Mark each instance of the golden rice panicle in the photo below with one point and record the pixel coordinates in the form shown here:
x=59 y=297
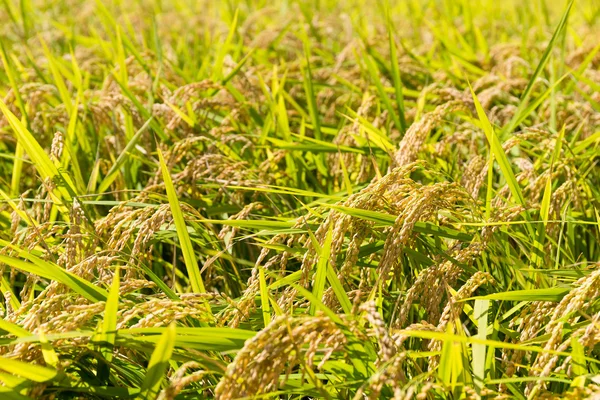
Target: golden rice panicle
x=579 y=299
x=431 y=285
x=454 y=307
x=179 y=380
x=281 y=347
x=417 y=134
x=421 y=204
x=387 y=348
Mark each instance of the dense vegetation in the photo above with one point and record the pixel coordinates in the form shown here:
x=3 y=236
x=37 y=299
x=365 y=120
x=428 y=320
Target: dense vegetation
x=299 y=199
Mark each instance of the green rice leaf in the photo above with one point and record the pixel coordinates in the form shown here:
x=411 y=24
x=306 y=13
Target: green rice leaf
x=10 y=394
x=321 y=270
x=264 y=297
x=112 y=173
x=540 y=67
x=42 y=162
x=500 y=156
x=13 y=328
x=480 y=311
x=49 y=270
x=182 y=233
x=159 y=362
x=26 y=370
x=551 y=294
x=109 y=323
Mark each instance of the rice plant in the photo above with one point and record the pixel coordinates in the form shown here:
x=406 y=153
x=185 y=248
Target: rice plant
x=299 y=199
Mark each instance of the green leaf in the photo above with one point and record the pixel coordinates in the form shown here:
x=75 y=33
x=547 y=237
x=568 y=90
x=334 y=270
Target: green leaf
x=578 y=364
x=396 y=75
x=310 y=93
x=317 y=303
x=224 y=48
x=347 y=182
x=552 y=294
x=490 y=343
x=339 y=290
x=447 y=360
x=48 y=352
x=65 y=96
x=43 y=164
x=264 y=296
x=15 y=181
x=481 y=315
x=537 y=258
x=48 y=270
x=321 y=271
x=109 y=323
x=285 y=281
x=10 y=394
x=21 y=213
x=112 y=173
x=182 y=233
x=159 y=362
x=371 y=66
x=500 y=156
x=26 y=370
x=186 y=118
x=527 y=92
x=12 y=79
x=389 y=220
x=13 y=328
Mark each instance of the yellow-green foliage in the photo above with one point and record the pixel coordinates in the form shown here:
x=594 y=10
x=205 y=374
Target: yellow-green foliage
x=299 y=199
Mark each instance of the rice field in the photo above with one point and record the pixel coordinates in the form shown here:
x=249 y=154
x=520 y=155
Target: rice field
x=299 y=199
